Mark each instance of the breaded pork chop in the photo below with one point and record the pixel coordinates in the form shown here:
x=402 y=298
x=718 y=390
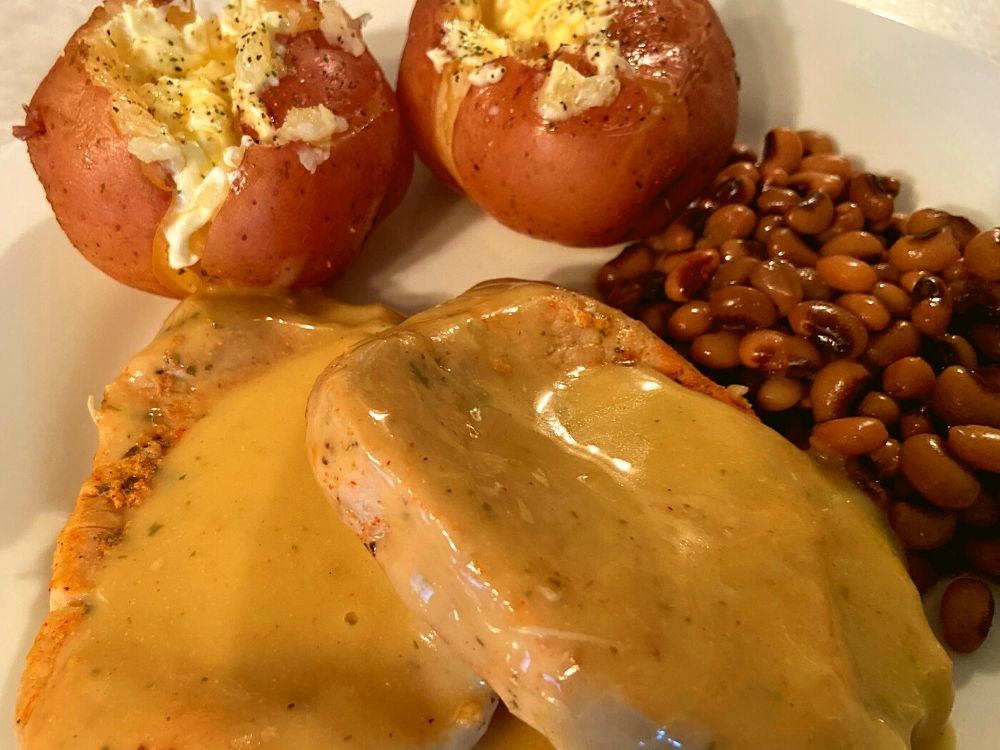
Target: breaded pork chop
x=204 y=596
x=614 y=543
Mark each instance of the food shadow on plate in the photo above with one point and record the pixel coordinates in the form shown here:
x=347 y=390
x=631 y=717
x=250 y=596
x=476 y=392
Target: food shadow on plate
x=439 y=243
x=986 y=660
x=762 y=39
x=430 y=215
x=579 y=277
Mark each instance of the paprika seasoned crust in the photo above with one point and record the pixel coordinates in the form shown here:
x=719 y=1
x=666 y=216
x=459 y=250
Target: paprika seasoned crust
x=210 y=344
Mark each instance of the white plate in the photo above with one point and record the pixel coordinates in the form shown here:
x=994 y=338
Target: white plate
x=914 y=105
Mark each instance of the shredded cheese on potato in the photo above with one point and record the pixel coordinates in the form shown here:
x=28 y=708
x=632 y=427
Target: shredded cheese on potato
x=312 y=128
x=340 y=28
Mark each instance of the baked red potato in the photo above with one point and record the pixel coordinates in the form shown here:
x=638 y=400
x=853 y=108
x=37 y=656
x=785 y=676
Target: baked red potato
x=586 y=122
x=288 y=206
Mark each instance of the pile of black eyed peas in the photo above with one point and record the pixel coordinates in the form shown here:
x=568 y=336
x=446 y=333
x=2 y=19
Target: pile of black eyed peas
x=856 y=330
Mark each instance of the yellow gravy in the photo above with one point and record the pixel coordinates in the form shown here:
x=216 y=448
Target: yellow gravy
x=238 y=612
x=628 y=563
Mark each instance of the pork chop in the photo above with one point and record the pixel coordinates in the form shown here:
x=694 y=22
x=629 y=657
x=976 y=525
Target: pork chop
x=614 y=543
x=204 y=595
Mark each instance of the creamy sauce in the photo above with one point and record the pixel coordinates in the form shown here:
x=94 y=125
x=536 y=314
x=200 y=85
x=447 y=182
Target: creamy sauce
x=627 y=562
x=238 y=612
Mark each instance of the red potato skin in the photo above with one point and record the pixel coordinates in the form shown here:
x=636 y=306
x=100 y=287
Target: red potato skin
x=98 y=191
x=611 y=173
x=419 y=85
x=280 y=226
x=313 y=225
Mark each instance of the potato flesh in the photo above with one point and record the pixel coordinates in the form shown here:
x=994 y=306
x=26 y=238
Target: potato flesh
x=556 y=22
x=485 y=32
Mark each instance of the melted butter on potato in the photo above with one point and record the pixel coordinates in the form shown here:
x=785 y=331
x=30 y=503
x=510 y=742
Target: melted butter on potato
x=483 y=32
x=557 y=22
x=187 y=91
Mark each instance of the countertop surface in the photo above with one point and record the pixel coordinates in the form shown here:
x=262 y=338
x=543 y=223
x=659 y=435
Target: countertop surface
x=33 y=34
